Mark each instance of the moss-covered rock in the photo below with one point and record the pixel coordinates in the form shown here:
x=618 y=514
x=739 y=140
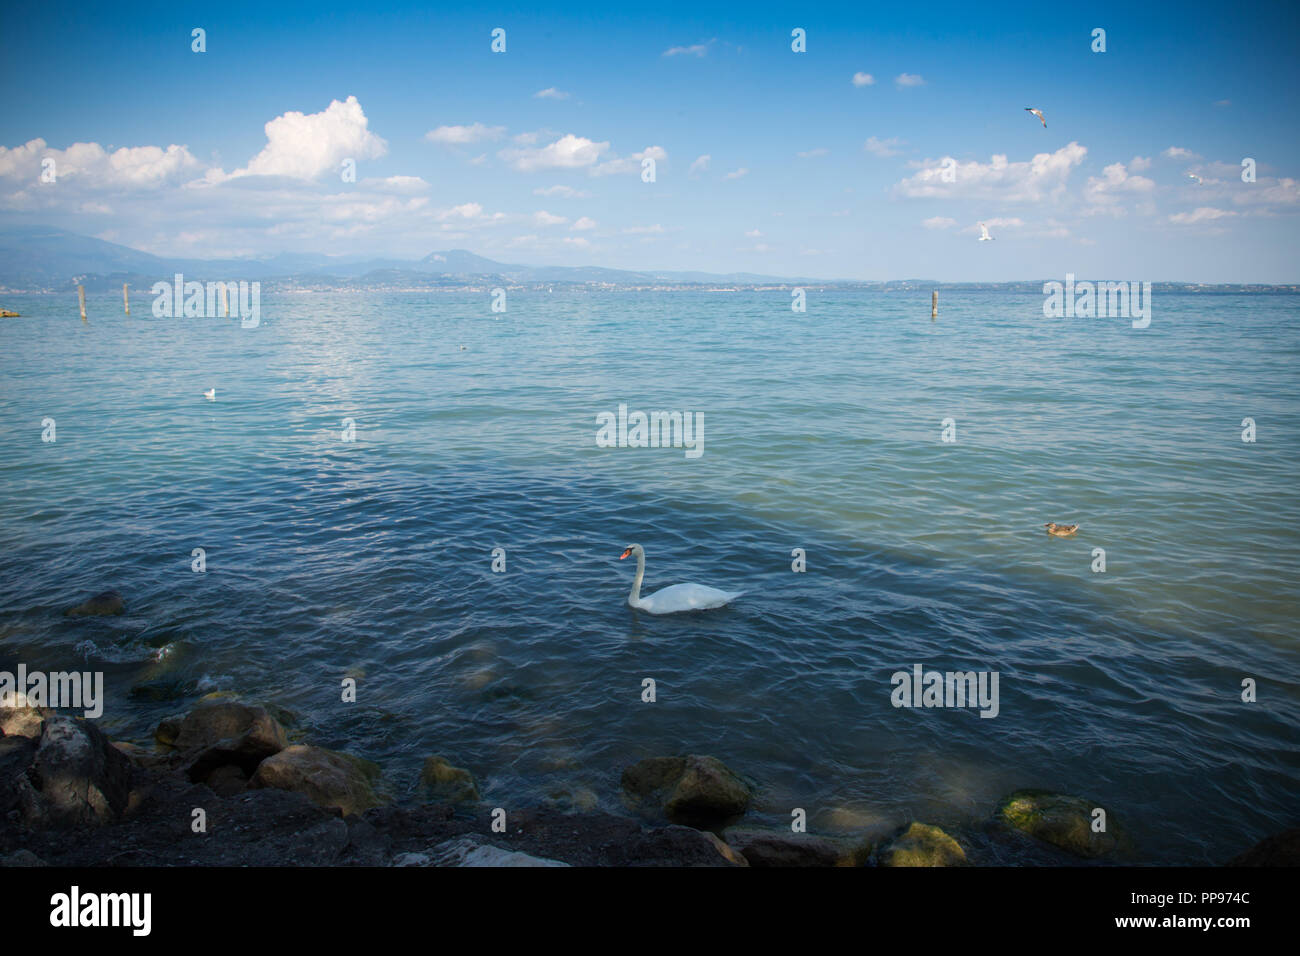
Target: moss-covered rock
x=694 y=790
x=1064 y=821
x=440 y=782
x=919 y=844
x=327 y=777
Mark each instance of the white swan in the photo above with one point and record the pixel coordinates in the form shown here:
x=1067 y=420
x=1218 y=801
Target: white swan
x=678 y=597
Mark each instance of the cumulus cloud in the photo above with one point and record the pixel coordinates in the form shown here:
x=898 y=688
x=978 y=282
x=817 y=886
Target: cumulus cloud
x=863 y=79
x=306 y=145
x=462 y=135
x=629 y=164
x=700 y=165
x=567 y=152
x=1042 y=177
x=1115 y=181
x=544 y=218
x=904 y=80
x=90 y=164
x=584 y=224
x=939 y=222
x=1178 y=152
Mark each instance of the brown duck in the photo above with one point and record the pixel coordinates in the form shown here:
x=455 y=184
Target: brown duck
x=1061 y=530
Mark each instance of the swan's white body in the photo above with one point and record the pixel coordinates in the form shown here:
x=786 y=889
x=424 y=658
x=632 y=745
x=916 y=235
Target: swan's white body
x=678 y=597
x=210 y=394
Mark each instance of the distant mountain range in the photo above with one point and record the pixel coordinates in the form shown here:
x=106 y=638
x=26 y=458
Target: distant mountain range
x=43 y=259
x=34 y=258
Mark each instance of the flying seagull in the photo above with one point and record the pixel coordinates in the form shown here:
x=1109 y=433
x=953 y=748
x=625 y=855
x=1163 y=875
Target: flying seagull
x=1194 y=178
x=984 y=233
x=1039 y=114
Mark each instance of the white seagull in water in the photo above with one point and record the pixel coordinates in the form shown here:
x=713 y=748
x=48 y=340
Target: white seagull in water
x=210 y=394
x=984 y=233
x=1039 y=114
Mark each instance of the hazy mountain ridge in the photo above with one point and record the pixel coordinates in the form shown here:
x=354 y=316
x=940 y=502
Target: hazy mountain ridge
x=46 y=259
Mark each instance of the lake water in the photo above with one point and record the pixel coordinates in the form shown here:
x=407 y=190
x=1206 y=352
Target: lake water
x=475 y=431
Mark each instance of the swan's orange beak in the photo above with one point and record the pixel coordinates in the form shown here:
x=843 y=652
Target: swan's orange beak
x=625 y=554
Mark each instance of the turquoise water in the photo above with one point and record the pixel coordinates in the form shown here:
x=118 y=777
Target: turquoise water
x=822 y=432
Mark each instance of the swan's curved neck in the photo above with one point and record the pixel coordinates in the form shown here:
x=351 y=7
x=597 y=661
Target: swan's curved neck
x=635 y=597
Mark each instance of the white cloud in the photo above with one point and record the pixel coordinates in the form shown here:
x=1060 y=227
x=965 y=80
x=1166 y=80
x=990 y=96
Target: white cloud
x=754 y=234
x=304 y=146
x=567 y=152
x=630 y=164
x=939 y=222
x=1177 y=152
x=904 y=80
x=583 y=224
x=544 y=218
x=567 y=192
x=91 y=164
x=1202 y=214
x=863 y=79
x=697 y=49
x=1042 y=177
x=461 y=135
x=700 y=165
x=1139 y=164
x=737 y=173
x=550 y=93
x=882 y=147
x=644 y=230
x=1115 y=180
x=812 y=153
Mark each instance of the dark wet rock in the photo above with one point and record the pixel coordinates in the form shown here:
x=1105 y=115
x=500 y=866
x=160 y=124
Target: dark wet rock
x=329 y=778
x=785 y=848
x=221 y=732
x=1281 y=849
x=104 y=604
x=440 y=782
x=726 y=850
x=572 y=799
x=16 y=757
x=1064 y=821
x=227 y=780
x=474 y=850
x=22 y=858
x=77 y=776
x=693 y=790
x=919 y=844
x=19 y=719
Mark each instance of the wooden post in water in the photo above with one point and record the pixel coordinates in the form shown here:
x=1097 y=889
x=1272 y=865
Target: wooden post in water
x=81 y=298
x=126 y=299
x=934 y=304
x=225 y=298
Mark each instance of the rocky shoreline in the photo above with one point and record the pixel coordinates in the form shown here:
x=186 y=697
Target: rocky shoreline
x=223 y=786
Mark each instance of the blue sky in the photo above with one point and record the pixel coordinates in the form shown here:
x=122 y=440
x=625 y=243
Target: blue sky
x=455 y=148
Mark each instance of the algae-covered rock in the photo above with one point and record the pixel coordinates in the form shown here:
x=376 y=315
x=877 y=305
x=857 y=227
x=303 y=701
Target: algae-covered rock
x=919 y=844
x=1065 y=821
x=694 y=790
x=329 y=778
x=440 y=782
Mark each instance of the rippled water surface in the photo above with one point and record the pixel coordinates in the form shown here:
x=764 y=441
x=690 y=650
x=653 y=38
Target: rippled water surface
x=822 y=431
